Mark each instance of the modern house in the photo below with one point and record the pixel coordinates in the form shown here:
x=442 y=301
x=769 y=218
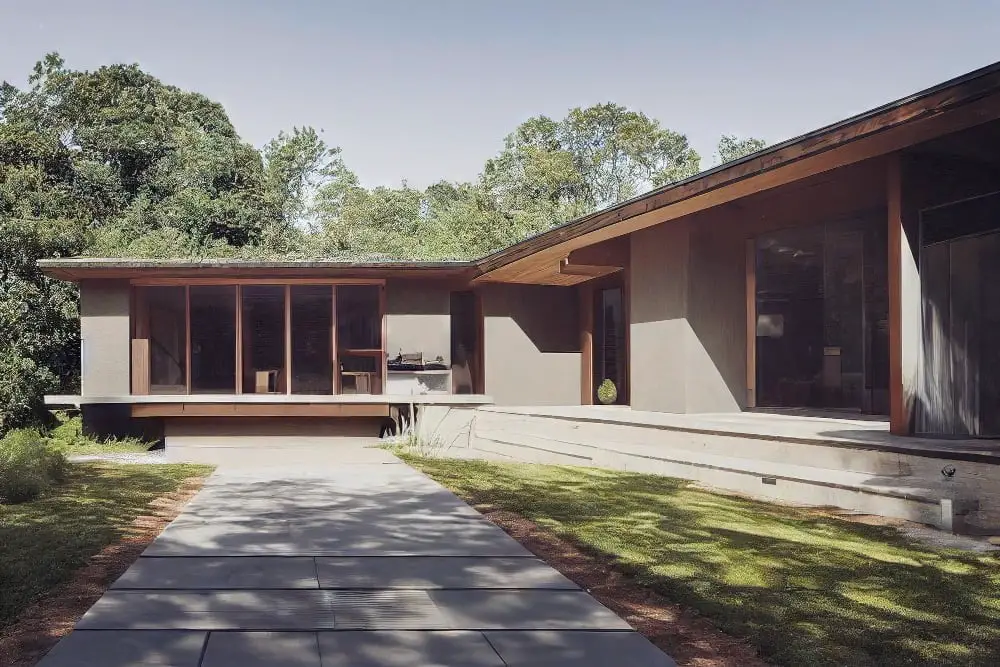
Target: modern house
x=854 y=270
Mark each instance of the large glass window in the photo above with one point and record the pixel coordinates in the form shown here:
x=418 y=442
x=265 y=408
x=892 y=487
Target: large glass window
x=253 y=339
x=359 y=339
x=213 y=339
x=822 y=317
x=264 y=367
x=465 y=352
x=312 y=339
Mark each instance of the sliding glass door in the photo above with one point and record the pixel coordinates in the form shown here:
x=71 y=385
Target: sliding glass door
x=821 y=317
x=960 y=280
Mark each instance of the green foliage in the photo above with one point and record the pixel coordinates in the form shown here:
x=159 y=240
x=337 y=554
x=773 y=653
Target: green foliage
x=607 y=392
x=732 y=147
x=29 y=466
x=68 y=437
x=39 y=351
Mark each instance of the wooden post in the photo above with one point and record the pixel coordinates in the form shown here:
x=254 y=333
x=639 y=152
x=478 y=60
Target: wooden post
x=333 y=340
x=187 y=329
x=751 y=333
x=586 y=296
x=288 y=339
x=384 y=363
x=239 y=339
x=898 y=408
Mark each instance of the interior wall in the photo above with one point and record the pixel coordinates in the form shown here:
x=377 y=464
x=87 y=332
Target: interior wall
x=532 y=344
x=105 y=338
x=418 y=318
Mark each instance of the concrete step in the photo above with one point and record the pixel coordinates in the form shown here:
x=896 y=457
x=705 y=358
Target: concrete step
x=639 y=438
x=893 y=495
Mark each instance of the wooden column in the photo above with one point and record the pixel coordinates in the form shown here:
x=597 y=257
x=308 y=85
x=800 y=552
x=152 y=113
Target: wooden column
x=751 y=333
x=586 y=296
x=288 y=339
x=905 y=353
x=187 y=330
x=239 y=339
x=333 y=340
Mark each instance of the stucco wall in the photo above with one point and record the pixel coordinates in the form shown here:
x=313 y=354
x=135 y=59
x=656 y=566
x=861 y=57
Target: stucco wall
x=532 y=343
x=687 y=327
x=105 y=340
x=418 y=318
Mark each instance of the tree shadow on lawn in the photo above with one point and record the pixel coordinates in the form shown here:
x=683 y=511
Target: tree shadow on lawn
x=802 y=587
x=43 y=541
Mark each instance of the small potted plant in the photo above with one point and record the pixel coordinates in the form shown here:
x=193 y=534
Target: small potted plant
x=607 y=392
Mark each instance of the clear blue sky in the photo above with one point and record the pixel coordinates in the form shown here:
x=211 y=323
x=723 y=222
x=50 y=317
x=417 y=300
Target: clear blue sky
x=427 y=89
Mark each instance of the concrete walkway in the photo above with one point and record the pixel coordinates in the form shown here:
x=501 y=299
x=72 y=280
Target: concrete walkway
x=360 y=564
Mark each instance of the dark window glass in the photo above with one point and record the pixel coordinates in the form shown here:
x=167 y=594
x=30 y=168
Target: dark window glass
x=213 y=339
x=167 y=339
x=264 y=339
x=312 y=339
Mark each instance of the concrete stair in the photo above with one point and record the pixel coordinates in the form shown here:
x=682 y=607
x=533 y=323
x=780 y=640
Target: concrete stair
x=871 y=482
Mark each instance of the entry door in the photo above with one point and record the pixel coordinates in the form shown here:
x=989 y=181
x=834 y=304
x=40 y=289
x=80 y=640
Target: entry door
x=610 y=360
x=960 y=281
x=811 y=322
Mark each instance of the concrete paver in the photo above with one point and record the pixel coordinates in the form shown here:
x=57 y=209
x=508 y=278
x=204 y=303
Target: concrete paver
x=330 y=564
x=252 y=572
x=429 y=572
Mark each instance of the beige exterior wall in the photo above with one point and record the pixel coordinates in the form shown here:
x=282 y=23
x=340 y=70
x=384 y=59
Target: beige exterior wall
x=687 y=347
x=105 y=338
x=532 y=344
x=418 y=318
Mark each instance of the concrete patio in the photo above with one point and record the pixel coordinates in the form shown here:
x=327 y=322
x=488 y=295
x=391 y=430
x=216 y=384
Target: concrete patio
x=365 y=563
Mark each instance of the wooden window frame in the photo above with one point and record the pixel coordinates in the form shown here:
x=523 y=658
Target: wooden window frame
x=139 y=325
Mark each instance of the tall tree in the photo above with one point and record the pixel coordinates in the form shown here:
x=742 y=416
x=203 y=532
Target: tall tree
x=732 y=147
x=593 y=157
x=118 y=148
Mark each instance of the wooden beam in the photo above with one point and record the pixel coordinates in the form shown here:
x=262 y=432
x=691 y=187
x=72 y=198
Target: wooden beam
x=232 y=280
x=751 y=323
x=276 y=410
x=586 y=270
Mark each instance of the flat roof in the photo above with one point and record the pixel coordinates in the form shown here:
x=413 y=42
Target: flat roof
x=976 y=91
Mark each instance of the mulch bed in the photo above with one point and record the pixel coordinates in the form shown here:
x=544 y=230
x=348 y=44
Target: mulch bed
x=691 y=640
x=44 y=623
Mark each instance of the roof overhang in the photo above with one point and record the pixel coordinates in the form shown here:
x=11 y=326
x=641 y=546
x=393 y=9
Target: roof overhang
x=86 y=268
x=961 y=103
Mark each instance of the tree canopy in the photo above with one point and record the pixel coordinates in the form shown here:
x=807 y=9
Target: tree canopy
x=114 y=162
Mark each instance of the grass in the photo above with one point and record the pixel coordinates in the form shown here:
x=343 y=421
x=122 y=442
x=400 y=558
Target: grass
x=68 y=438
x=804 y=588
x=43 y=541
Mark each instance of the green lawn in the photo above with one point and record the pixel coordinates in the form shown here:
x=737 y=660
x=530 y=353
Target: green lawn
x=804 y=589
x=43 y=541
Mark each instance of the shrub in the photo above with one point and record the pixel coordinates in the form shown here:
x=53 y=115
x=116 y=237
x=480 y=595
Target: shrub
x=28 y=465
x=607 y=392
